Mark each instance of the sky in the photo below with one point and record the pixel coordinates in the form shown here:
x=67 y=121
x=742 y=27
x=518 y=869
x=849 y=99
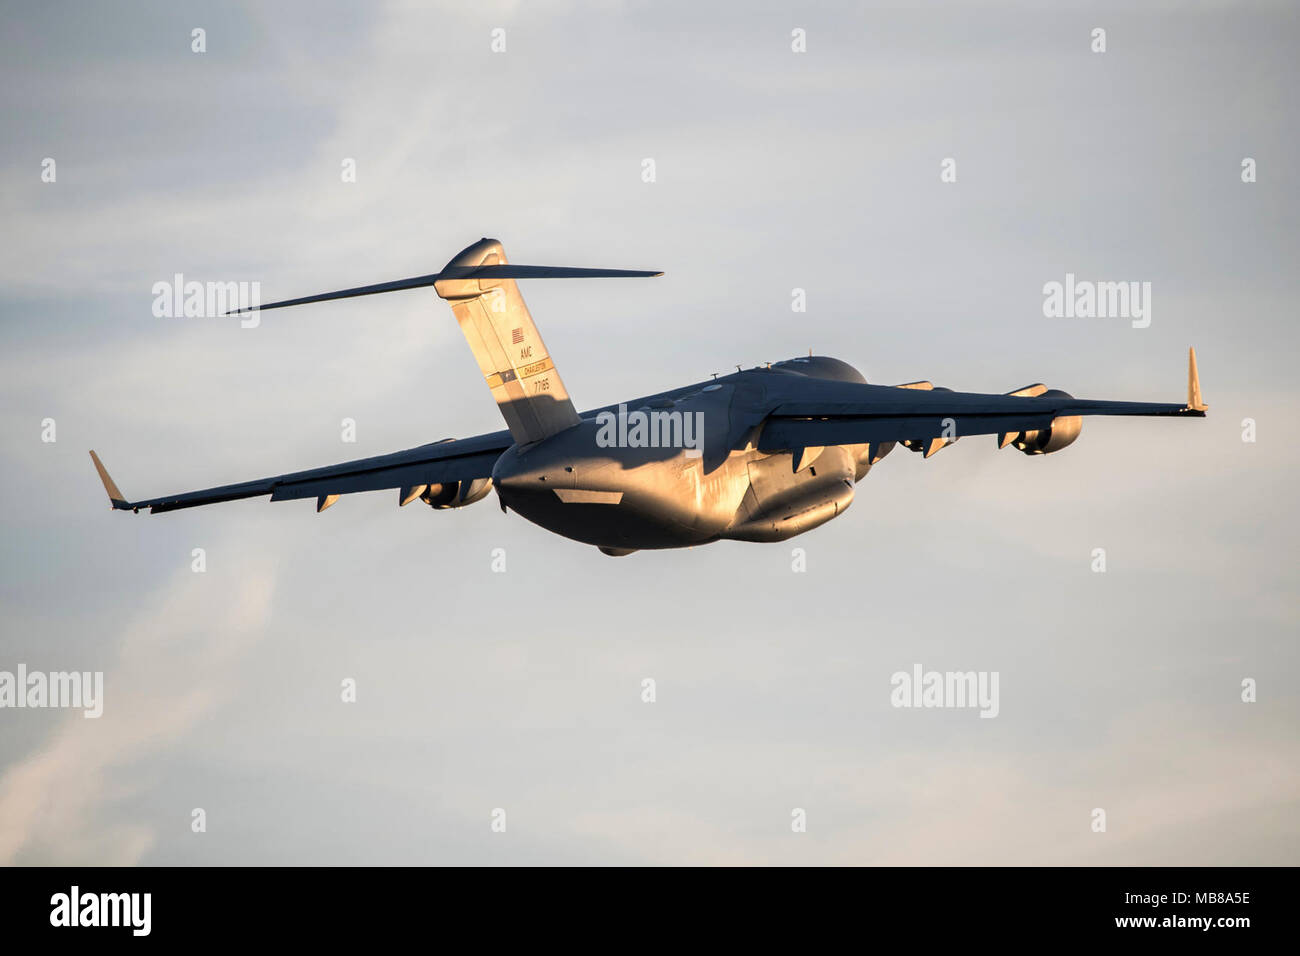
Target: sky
x=479 y=690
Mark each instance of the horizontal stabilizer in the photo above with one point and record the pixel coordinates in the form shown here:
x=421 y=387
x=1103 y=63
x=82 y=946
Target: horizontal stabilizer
x=490 y=273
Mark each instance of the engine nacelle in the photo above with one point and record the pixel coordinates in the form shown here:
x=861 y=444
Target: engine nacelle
x=456 y=494
x=451 y=494
x=1060 y=434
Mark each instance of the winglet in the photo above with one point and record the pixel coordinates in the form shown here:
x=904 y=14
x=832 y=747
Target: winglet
x=1194 y=384
x=115 y=496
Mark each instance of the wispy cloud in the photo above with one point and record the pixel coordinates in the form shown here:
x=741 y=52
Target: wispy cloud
x=175 y=665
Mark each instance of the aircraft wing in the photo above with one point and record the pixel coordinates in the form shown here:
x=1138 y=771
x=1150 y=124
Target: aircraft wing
x=925 y=415
x=439 y=462
x=846 y=413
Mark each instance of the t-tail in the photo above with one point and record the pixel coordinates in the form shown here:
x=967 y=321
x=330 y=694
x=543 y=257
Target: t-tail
x=479 y=284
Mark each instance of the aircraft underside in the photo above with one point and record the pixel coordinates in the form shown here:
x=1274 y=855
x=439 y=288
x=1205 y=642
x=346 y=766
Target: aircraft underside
x=751 y=496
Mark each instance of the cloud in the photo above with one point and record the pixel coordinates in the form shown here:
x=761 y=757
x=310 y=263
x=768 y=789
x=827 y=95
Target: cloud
x=173 y=662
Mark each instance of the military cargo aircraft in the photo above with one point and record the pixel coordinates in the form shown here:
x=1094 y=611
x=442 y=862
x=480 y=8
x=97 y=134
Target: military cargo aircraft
x=761 y=454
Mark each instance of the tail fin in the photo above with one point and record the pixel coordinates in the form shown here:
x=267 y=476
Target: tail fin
x=509 y=349
x=480 y=286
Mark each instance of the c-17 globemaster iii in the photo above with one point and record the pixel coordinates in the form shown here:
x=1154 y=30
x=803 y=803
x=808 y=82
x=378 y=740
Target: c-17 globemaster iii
x=762 y=454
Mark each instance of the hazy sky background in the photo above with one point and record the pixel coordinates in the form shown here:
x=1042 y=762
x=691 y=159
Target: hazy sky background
x=521 y=690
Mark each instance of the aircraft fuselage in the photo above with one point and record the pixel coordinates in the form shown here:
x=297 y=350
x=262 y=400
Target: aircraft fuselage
x=597 y=484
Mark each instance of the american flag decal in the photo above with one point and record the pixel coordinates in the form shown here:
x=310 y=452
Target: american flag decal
x=516 y=336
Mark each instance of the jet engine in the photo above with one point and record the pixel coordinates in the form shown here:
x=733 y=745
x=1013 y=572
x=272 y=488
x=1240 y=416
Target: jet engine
x=451 y=494
x=1043 y=441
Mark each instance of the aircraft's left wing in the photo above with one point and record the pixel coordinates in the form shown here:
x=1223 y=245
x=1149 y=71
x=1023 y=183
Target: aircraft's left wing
x=848 y=413
x=436 y=463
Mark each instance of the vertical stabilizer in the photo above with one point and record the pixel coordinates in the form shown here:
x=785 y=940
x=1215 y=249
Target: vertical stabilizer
x=509 y=350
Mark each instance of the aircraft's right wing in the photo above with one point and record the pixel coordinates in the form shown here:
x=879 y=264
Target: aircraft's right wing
x=931 y=415
x=846 y=413
x=437 y=463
